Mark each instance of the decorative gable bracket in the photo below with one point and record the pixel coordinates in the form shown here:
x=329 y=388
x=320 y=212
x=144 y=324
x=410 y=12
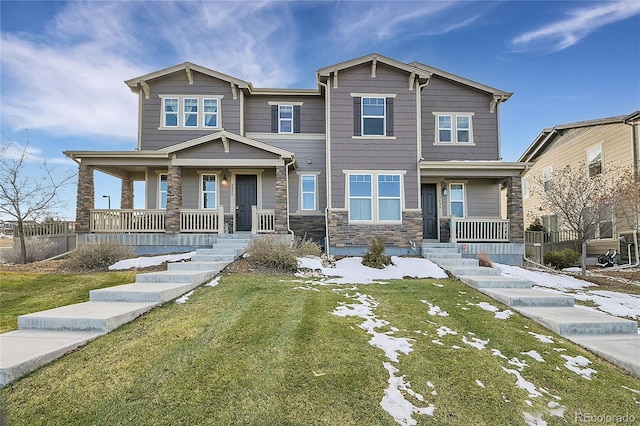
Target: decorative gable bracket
x=496 y=100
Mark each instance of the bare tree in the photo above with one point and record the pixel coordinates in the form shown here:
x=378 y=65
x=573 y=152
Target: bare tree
x=23 y=195
x=581 y=203
x=627 y=203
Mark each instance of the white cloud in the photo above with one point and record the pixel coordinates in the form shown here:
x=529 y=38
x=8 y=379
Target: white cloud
x=578 y=24
x=13 y=151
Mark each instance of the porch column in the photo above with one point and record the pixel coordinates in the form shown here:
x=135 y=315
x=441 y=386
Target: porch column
x=126 y=194
x=174 y=200
x=281 y=224
x=515 y=212
x=86 y=198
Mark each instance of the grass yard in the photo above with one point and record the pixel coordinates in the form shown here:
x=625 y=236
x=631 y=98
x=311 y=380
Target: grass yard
x=270 y=350
x=24 y=293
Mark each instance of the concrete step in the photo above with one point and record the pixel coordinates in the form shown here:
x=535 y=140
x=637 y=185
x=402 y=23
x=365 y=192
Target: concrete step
x=235 y=251
x=443 y=255
x=177 y=277
x=24 y=351
x=481 y=282
x=214 y=258
x=197 y=266
x=436 y=250
x=141 y=293
x=455 y=262
x=622 y=350
x=578 y=321
x=88 y=316
x=470 y=270
x=525 y=297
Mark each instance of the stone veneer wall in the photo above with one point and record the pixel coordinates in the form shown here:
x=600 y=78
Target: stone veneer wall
x=174 y=200
x=311 y=227
x=342 y=234
x=281 y=224
x=86 y=197
x=126 y=194
x=515 y=211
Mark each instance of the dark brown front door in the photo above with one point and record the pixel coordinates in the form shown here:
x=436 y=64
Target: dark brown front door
x=429 y=211
x=246 y=196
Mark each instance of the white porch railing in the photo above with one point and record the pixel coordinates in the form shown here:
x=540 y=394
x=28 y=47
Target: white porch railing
x=262 y=221
x=479 y=229
x=202 y=220
x=127 y=220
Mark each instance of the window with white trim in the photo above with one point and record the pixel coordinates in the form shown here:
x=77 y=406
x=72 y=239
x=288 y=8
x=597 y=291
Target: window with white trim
x=456 y=199
x=594 y=161
x=209 y=191
x=190 y=112
x=373 y=117
x=375 y=197
x=163 y=185
x=526 y=188
x=285 y=118
x=547 y=178
x=308 y=192
x=454 y=128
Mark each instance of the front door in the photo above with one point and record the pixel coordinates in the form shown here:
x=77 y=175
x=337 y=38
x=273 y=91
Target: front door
x=429 y=211
x=246 y=196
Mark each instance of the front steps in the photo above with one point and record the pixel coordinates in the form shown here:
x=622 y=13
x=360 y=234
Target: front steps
x=45 y=336
x=614 y=339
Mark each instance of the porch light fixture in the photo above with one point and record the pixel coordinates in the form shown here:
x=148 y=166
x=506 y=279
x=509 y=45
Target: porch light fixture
x=445 y=192
x=224 y=182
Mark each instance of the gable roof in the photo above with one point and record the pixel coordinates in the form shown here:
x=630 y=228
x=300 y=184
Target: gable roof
x=326 y=71
x=186 y=67
x=546 y=136
x=462 y=80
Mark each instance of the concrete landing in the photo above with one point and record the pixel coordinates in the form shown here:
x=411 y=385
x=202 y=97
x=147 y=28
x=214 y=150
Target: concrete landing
x=482 y=281
x=141 y=293
x=186 y=277
x=622 y=350
x=578 y=321
x=526 y=297
x=477 y=271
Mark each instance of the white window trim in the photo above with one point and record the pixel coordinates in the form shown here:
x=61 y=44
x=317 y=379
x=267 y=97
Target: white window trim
x=374 y=195
x=596 y=148
x=160 y=191
x=280 y=119
x=164 y=113
x=526 y=188
x=547 y=176
x=217 y=113
x=315 y=192
x=185 y=113
x=464 y=199
x=202 y=191
x=182 y=113
x=454 y=128
x=384 y=117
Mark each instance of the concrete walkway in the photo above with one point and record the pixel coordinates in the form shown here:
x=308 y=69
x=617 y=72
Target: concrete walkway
x=612 y=338
x=45 y=336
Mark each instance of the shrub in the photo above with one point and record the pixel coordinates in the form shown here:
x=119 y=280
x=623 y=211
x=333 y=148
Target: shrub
x=37 y=248
x=561 y=259
x=303 y=247
x=99 y=256
x=374 y=257
x=272 y=252
x=536 y=225
x=483 y=260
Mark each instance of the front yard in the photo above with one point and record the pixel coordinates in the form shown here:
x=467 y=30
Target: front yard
x=261 y=349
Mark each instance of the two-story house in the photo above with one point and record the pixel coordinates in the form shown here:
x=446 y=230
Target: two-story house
x=605 y=145
x=380 y=147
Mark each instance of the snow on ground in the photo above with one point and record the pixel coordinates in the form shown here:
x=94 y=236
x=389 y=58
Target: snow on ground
x=611 y=302
x=146 y=261
x=350 y=270
x=184 y=298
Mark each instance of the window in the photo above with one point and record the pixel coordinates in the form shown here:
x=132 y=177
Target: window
x=453 y=128
x=190 y=112
x=162 y=191
x=360 y=197
x=210 y=110
x=389 y=205
x=381 y=202
x=550 y=223
x=209 y=191
x=547 y=178
x=308 y=192
x=594 y=161
x=285 y=118
x=373 y=116
x=170 y=112
x=526 y=188
x=456 y=199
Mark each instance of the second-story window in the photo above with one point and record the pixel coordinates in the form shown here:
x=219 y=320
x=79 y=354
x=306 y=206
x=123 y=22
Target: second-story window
x=594 y=161
x=210 y=110
x=547 y=178
x=454 y=128
x=190 y=112
x=285 y=118
x=373 y=115
x=170 y=112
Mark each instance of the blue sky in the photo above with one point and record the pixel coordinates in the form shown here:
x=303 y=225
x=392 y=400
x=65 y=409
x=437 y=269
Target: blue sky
x=63 y=64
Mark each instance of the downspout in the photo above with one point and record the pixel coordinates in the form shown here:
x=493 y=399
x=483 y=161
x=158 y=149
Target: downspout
x=419 y=136
x=327 y=131
x=286 y=169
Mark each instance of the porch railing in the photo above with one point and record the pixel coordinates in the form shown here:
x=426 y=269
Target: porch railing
x=202 y=220
x=263 y=221
x=479 y=229
x=127 y=220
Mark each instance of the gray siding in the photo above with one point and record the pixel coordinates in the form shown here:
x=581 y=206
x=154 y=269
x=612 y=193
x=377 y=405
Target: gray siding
x=482 y=197
x=373 y=154
x=215 y=149
x=258 y=113
x=152 y=137
x=442 y=95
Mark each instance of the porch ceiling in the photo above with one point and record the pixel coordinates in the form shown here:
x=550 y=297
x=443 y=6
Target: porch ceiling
x=471 y=169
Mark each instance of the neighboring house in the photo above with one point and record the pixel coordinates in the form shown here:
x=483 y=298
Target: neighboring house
x=598 y=146
x=380 y=147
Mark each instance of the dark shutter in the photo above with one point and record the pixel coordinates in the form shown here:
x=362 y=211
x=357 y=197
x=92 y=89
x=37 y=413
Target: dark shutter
x=389 y=107
x=296 y=119
x=274 y=118
x=357 y=116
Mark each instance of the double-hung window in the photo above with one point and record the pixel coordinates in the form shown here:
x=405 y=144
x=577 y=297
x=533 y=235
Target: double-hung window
x=526 y=188
x=454 y=128
x=163 y=185
x=209 y=191
x=375 y=197
x=190 y=112
x=360 y=197
x=285 y=118
x=210 y=110
x=170 y=112
x=373 y=117
x=308 y=191
x=547 y=178
x=594 y=160
x=456 y=199
x=389 y=204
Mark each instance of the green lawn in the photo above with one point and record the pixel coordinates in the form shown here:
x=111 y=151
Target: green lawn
x=257 y=350
x=24 y=293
